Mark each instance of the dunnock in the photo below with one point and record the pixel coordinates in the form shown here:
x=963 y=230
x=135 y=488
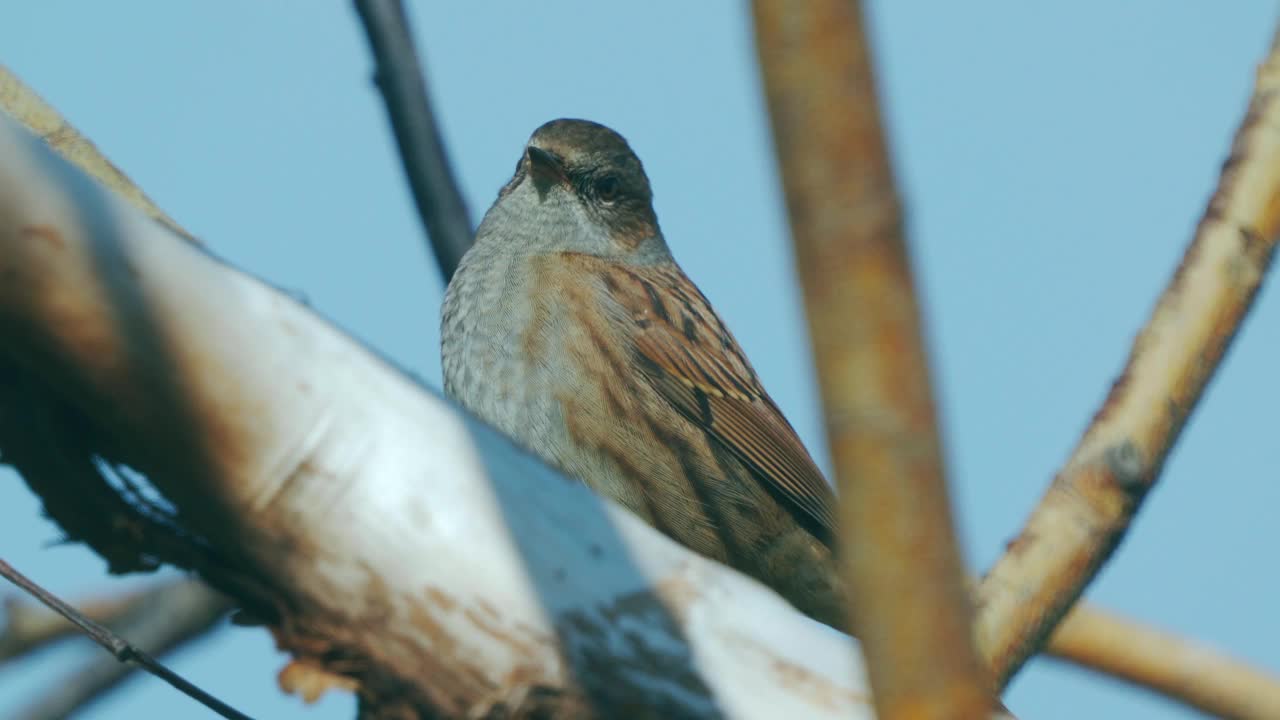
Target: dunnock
x=570 y=327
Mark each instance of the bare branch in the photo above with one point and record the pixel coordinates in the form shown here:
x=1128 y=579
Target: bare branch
x=122 y=650
x=160 y=619
x=400 y=78
x=1177 y=668
x=25 y=106
x=28 y=626
x=1089 y=505
x=910 y=606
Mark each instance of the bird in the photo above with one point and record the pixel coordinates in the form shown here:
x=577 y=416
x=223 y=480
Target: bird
x=570 y=327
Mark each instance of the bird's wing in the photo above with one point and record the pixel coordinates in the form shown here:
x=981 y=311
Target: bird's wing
x=688 y=356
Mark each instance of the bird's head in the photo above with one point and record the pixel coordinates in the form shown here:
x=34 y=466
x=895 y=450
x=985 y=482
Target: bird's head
x=579 y=187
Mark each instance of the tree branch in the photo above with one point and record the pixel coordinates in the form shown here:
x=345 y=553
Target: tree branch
x=404 y=88
x=28 y=626
x=1175 y=667
x=25 y=106
x=158 y=620
x=122 y=650
x=910 y=603
x=1089 y=505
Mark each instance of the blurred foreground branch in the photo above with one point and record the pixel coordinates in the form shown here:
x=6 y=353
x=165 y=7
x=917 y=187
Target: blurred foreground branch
x=910 y=604
x=1091 y=502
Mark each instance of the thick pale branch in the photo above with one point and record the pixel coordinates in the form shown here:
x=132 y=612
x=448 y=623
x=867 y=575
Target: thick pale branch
x=1090 y=503
x=910 y=606
x=384 y=535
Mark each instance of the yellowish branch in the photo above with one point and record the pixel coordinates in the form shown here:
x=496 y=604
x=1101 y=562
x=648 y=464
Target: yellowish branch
x=25 y=106
x=1090 y=503
x=910 y=606
x=1175 y=667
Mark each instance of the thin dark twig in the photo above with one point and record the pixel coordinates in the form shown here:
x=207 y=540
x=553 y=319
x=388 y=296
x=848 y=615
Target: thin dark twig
x=162 y=619
x=118 y=646
x=400 y=78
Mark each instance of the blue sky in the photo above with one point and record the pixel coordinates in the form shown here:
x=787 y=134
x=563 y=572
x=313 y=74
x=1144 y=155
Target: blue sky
x=1053 y=162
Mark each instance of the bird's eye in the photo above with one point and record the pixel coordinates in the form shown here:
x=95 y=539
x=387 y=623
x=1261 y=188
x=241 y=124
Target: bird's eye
x=607 y=189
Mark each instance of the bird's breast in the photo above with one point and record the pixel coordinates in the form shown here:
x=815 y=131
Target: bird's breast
x=507 y=338
x=527 y=347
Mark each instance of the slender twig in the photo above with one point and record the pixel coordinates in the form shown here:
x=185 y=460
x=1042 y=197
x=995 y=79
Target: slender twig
x=27 y=627
x=910 y=607
x=1088 y=507
x=1175 y=667
x=400 y=78
x=120 y=648
x=161 y=618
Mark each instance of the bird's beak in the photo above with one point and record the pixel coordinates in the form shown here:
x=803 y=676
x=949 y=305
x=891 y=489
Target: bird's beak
x=545 y=168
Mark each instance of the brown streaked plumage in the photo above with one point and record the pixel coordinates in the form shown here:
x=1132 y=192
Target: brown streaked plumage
x=687 y=355
x=570 y=327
